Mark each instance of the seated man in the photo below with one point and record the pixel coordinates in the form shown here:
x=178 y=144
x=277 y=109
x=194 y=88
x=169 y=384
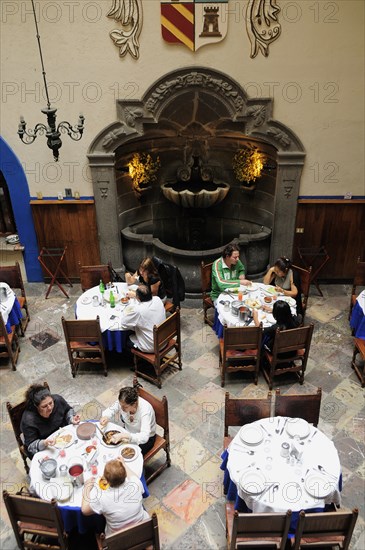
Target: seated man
x=121 y=500
x=227 y=272
x=149 y=311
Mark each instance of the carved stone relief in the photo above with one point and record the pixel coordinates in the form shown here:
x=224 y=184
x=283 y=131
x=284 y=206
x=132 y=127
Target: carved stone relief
x=128 y=13
x=262 y=25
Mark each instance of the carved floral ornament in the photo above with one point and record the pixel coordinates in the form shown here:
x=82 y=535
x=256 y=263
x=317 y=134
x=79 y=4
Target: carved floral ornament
x=195 y=24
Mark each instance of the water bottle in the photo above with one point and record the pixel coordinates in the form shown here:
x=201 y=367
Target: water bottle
x=101 y=287
x=112 y=299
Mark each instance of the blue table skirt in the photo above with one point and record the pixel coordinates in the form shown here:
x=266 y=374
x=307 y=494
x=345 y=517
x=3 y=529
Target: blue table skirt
x=115 y=339
x=357 y=321
x=217 y=325
x=15 y=316
x=230 y=490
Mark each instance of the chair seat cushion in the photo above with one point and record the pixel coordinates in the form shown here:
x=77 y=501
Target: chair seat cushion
x=21 y=301
x=84 y=346
x=151 y=357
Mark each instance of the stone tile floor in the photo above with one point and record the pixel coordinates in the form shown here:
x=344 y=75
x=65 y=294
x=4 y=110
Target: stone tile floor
x=188 y=497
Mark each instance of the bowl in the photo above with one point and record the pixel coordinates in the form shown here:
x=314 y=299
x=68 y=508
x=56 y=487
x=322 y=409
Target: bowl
x=124 y=300
x=48 y=467
x=86 y=430
x=268 y=299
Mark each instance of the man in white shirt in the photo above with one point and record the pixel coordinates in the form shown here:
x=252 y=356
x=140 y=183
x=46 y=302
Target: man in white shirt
x=141 y=318
x=120 y=502
x=137 y=417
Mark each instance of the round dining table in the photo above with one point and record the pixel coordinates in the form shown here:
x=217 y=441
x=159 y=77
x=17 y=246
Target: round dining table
x=254 y=294
x=9 y=307
x=92 y=304
x=357 y=321
x=68 y=495
x=279 y=463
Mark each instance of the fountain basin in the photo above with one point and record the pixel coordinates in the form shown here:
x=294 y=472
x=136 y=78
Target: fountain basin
x=201 y=198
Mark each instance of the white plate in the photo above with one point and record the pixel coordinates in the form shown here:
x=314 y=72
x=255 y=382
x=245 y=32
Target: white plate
x=318 y=485
x=86 y=300
x=252 y=303
x=251 y=435
x=128 y=310
x=136 y=452
x=269 y=290
x=64 y=439
x=297 y=427
x=64 y=488
x=252 y=287
x=253 y=482
x=288 y=299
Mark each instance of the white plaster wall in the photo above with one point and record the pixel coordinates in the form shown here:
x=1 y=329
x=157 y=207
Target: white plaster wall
x=314 y=72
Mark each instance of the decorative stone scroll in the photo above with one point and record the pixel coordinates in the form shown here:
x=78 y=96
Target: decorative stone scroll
x=262 y=25
x=129 y=14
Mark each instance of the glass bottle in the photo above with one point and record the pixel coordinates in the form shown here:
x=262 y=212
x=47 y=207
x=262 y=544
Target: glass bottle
x=112 y=299
x=101 y=287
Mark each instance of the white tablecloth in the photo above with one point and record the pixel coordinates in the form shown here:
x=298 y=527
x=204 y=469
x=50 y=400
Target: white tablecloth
x=293 y=480
x=110 y=318
x=50 y=489
x=6 y=302
x=257 y=293
x=361 y=300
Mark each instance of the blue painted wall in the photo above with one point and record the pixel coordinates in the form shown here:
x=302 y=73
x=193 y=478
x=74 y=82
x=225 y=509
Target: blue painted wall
x=19 y=193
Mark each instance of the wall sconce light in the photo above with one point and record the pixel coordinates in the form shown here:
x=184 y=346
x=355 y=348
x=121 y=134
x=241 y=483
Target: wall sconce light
x=248 y=164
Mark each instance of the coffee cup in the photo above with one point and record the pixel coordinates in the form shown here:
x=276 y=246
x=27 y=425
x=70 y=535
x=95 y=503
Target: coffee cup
x=76 y=473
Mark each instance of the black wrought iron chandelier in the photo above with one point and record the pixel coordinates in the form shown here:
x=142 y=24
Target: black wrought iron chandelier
x=51 y=130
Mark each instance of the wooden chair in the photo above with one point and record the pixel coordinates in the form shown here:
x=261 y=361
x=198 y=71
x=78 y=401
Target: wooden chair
x=167 y=337
x=325 y=530
x=12 y=275
x=37 y=519
x=15 y=414
x=136 y=537
x=296 y=341
x=238 y=412
x=84 y=343
x=160 y=406
x=305 y=406
x=305 y=282
x=359 y=347
x=90 y=276
x=256 y=530
x=206 y=285
x=9 y=343
x=240 y=350
x=359 y=280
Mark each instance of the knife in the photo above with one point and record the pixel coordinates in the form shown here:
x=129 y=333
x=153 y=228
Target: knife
x=282 y=429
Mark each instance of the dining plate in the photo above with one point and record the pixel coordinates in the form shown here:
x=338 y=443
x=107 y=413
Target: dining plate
x=252 y=481
x=64 y=439
x=252 y=302
x=252 y=287
x=129 y=309
x=269 y=290
x=86 y=300
x=64 y=488
x=251 y=435
x=288 y=299
x=297 y=427
x=129 y=453
x=319 y=485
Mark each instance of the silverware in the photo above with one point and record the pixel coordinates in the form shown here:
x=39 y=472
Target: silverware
x=101 y=431
x=277 y=429
x=265 y=430
x=321 y=469
x=282 y=429
x=242 y=450
x=314 y=433
x=229 y=294
x=272 y=485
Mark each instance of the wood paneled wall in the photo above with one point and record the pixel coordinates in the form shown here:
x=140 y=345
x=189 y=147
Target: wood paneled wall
x=72 y=224
x=339 y=226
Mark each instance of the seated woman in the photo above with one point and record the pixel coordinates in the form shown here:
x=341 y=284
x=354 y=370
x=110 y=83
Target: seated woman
x=285 y=281
x=147 y=274
x=284 y=321
x=137 y=417
x=120 y=502
x=44 y=414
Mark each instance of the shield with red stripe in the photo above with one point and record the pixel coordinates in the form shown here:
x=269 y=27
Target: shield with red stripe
x=195 y=24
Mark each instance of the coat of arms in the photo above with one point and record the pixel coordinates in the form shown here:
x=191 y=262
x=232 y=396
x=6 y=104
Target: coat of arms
x=195 y=23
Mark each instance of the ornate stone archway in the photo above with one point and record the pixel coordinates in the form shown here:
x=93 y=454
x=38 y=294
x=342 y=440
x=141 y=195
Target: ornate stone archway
x=250 y=118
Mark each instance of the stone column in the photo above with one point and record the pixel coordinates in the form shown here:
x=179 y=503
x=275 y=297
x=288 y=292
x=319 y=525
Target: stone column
x=106 y=204
x=289 y=171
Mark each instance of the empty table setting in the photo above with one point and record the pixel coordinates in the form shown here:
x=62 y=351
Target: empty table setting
x=9 y=307
x=276 y=464
x=235 y=308
x=92 y=304
x=80 y=452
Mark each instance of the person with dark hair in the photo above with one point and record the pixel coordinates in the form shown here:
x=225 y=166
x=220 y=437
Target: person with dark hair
x=147 y=274
x=284 y=321
x=121 y=502
x=227 y=271
x=141 y=318
x=285 y=280
x=137 y=417
x=44 y=414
